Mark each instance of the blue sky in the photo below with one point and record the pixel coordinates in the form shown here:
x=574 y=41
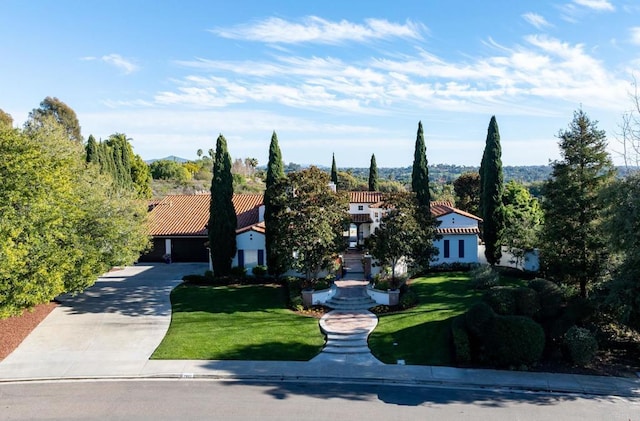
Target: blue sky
x=346 y=77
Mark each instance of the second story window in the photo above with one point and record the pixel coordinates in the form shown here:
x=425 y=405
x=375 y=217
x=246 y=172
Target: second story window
x=360 y=207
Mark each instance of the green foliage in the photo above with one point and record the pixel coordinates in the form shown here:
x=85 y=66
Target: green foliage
x=164 y=169
x=63 y=224
x=309 y=222
x=622 y=230
x=6 y=120
x=275 y=173
x=502 y=300
x=61 y=113
x=238 y=272
x=373 y=174
x=347 y=182
x=400 y=234
x=484 y=277
x=514 y=341
x=491 y=191
x=467 y=192
x=523 y=220
x=222 y=214
x=527 y=302
x=550 y=297
x=479 y=319
x=574 y=249
x=259 y=271
x=460 y=340
x=420 y=172
x=334 y=170
x=580 y=345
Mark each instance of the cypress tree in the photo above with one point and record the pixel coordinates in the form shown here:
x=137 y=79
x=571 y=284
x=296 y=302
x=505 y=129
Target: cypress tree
x=275 y=173
x=222 y=215
x=492 y=187
x=420 y=172
x=91 y=149
x=373 y=174
x=334 y=171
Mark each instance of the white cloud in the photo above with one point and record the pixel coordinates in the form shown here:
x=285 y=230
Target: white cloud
x=313 y=29
x=598 y=5
x=536 y=20
x=120 y=62
x=635 y=35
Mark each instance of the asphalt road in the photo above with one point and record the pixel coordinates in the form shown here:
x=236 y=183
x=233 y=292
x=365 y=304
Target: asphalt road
x=188 y=399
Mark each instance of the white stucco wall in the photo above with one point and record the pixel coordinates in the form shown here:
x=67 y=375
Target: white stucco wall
x=470 y=249
x=454 y=220
x=250 y=242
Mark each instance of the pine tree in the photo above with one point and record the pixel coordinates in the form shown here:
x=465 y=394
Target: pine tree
x=491 y=191
x=275 y=173
x=222 y=215
x=574 y=249
x=334 y=171
x=420 y=173
x=373 y=174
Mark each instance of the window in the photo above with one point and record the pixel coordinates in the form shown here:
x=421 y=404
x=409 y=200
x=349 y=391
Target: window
x=360 y=207
x=241 y=258
x=446 y=249
x=261 y=257
x=461 y=249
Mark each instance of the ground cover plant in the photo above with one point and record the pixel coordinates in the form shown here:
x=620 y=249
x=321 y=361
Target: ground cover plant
x=237 y=322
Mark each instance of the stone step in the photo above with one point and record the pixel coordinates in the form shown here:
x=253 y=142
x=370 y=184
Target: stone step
x=352 y=350
x=348 y=337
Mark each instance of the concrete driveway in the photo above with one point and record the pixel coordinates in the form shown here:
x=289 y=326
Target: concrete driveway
x=110 y=329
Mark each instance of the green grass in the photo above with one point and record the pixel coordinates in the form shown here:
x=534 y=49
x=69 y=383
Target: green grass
x=421 y=334
x=237 y=323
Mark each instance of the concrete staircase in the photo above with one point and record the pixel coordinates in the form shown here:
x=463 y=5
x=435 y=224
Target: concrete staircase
x=351 y=296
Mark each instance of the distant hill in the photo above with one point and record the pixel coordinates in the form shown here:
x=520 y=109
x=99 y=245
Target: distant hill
x=169 y=158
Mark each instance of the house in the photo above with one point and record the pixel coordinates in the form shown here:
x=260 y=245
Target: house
x=459 y=230
x=178 y=225
x=179 y=228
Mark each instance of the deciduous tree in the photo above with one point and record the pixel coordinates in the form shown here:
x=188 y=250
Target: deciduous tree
x=574 y=249
x=467 y=192
x=523 y=220
x=222 y=215
x=310 y=222
x=61 y=112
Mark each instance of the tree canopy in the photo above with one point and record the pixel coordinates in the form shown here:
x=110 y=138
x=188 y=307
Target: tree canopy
x=334 y=170
x=222 y=215
x=420 y=172
x=310 y=222
x=467 y=192
x=373 y=174
x=61 y=112
x=63 y=223
x=573 y=246
x=5 y=119
x=523 y=219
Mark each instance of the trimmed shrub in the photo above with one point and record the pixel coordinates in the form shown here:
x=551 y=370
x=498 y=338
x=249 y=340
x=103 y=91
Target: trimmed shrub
x=514 y=341
x=238 y=272
x=550 y=297
x=527 y=302
x=502 y=300
x=478 y=319
x=259 y=271
x=484 y=277
x=580 y=345
x=408 y=299
x=461 y=342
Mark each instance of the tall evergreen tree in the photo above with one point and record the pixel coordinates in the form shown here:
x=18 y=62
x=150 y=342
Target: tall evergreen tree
x=334 y=171
x=373 y=174
x=492 y=187
x=420 y=173
x=574 y=249
x=92 y=149
x=275 y=173
x=222 y=215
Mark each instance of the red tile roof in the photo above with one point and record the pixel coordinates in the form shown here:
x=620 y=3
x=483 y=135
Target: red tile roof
x=188 y=215
x=358 y=218
x=474 y=230
x=365 y=197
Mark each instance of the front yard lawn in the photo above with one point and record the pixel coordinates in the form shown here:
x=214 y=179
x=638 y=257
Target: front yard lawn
x=237 y=323
x=421 y=335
